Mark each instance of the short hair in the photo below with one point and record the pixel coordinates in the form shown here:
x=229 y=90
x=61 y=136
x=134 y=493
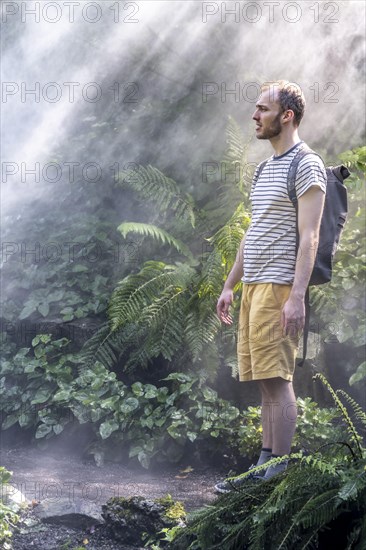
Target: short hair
x=289 y=96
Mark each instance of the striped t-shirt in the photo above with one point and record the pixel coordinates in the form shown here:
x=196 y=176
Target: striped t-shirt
x=270 y=243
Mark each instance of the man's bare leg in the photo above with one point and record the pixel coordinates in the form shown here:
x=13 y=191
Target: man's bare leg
x=267 y=422
x=282 y=411
x=279 y=413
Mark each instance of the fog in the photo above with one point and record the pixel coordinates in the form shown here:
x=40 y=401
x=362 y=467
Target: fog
x=88 y=87
x=91 y=62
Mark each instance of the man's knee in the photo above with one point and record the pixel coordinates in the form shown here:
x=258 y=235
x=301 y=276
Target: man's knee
x=273 y=385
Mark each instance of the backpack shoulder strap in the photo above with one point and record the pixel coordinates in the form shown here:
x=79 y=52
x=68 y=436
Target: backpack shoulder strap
x=291 y=177
x=306 y=329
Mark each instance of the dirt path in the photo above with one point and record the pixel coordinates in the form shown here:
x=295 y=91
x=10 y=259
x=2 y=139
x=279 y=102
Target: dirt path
x=41 y=475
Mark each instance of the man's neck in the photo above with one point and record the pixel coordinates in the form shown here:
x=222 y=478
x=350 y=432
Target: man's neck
x=283 y=143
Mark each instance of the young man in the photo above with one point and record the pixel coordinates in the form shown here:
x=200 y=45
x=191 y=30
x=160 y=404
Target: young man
x=272 y=310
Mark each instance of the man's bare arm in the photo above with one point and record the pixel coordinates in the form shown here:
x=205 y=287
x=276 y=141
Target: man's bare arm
x=310 y=208
x=232 y=280
x=237 y=270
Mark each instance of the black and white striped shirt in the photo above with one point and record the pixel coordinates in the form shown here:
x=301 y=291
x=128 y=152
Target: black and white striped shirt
x=270 y=244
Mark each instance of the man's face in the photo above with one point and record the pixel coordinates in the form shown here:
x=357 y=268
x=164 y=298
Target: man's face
x=267 y=116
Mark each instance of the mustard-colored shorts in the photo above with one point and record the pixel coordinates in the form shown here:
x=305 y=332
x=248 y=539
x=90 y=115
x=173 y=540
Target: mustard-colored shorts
x=264 y=351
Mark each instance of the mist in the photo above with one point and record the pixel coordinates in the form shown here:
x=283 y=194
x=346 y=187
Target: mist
x=92 y=88
x=62 y=78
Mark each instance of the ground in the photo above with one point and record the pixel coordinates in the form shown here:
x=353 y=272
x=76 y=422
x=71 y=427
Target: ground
x=56 y=476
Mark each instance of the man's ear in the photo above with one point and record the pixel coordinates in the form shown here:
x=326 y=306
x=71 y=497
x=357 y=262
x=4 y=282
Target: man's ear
x=288 y=115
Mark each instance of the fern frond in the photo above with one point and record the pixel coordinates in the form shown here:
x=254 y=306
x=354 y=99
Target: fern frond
x=227 y=239
x=235 y=142
x=359 y=413
x=355 y=437
x=168 y=336
x=139 y=356
x=156 y=233
x=209 y=364
x=202 y=325
x=352 y=488
x=146 y=316
x=319 y=510
x=212 y=276
x=137 y=291
x=89 y=349
x=153 y=185
x=107 y=346
x=231 y=361
x=235 y=154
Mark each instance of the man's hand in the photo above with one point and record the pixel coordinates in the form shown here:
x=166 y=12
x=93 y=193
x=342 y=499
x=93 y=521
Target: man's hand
x=223 y=305
x=293 y=316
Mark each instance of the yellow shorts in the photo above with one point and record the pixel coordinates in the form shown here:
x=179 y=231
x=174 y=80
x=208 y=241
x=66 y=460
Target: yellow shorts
x=264 y=351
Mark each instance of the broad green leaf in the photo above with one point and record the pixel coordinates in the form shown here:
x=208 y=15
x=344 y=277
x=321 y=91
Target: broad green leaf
x=67 y=310
x=67 y=317
x=10 y=420
x=348 y=283
x=128 y=405
x=138 y=389
x=134 y=451
x=42 y=430
x=44 y=309
x=62 y=395
x=57 y=428
x=344 y=333
x=150 y=391
x=28 y=310
x=209 y=394
x=106 y=428
x=25 y=420
x=42 y=396
x=144 y=459
x=191 y=436
x=79 y=267
x=360 y=374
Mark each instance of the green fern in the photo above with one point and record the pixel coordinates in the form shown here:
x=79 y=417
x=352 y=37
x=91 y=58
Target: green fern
x=212 y=275
x=137 y=291
x=234 y=159
x=171 y=309
x=227 y=239
x=359 y=413
x=318 y=497
x=201 y=326
x=153 y=185
x=355 y=437
x=156 y=233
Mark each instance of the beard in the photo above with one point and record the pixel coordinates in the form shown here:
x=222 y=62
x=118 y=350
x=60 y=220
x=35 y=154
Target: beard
x=273 y=130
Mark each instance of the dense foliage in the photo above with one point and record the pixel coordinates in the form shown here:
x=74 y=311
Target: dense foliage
x=43 y=389
x=318 y=502
x=8 y=512
x=160 y=313
x=340 y=306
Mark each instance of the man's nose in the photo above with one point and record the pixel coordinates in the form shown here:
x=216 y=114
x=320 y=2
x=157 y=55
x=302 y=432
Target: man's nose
x=255 y=115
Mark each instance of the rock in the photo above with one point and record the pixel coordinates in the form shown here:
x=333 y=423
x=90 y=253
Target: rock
x=132 y=520
x=75 y=513
x=14 y=498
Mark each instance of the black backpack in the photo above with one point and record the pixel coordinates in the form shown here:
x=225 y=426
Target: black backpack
x=333 y=219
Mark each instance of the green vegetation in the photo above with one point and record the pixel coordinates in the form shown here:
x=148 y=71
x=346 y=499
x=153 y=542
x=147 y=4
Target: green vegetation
x=146 y=382
x=8 y=512
x=340 y=305
x=318 y=502
x=45 y=389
